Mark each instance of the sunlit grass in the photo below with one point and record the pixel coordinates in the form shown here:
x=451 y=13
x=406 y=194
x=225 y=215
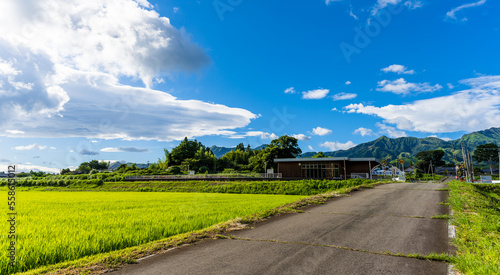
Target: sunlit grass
x=477 y=220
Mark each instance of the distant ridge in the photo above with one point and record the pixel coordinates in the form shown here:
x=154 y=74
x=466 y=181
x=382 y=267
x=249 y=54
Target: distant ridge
x=220 y=151
x=407 y=147
x=404 y=147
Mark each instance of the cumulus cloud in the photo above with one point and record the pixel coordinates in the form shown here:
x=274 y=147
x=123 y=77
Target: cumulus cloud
x=335 y=146
x=262 y=135
x=348 y=82
x=451 y=13
x=400 y=86
x=469 y=110
x=321 y=131
x=124 y=149
x=14 y=132
x=301 y=137
x=344 y=96
x=62 y=65
x=34 y=146
x=399 y=69
x=392 y=132
x=290 y=90
x=364 y=131
x=315 y=94
x=310 y=147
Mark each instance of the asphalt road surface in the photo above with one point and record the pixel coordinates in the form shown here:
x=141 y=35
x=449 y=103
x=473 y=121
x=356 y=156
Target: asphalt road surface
x=347 y=235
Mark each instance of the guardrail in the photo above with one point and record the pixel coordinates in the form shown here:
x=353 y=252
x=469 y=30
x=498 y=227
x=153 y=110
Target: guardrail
x=205 y=176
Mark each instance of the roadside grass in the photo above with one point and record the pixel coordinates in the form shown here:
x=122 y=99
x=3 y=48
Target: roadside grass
x=53 y=260
x=477 y=221
x=296 y=187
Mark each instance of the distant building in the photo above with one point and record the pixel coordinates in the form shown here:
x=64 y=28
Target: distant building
x=326 y=168
x=445 y=170
x=487 y=171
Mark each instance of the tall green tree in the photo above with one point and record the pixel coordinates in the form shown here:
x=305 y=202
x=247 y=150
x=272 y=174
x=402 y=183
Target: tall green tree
x=288 y=147
x=426 y=158
x=189 y=153
x=487 y=153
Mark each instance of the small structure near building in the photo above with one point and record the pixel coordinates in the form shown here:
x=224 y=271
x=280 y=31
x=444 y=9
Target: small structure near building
x=326 y=168
x=386 y=170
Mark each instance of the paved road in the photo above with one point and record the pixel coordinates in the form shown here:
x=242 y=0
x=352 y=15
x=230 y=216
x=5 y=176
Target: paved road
x=343 y=236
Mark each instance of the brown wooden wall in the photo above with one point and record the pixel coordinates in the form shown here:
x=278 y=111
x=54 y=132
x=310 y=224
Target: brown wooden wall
x=289 y=169
x=293 y=170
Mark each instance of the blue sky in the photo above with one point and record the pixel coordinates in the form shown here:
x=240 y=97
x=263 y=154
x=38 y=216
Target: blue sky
x=123 y=79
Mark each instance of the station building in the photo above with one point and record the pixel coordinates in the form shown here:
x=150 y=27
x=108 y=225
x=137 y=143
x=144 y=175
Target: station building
x=326 y=168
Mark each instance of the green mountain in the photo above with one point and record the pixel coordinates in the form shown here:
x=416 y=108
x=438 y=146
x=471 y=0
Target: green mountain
x=407 y=147
x=220 y=151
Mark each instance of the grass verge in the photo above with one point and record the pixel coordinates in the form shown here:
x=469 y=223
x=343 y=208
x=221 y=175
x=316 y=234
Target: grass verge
x=105 y=262
x=477 y=222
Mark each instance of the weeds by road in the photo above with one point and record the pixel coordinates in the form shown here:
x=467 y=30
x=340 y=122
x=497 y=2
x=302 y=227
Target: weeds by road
x=477 y=221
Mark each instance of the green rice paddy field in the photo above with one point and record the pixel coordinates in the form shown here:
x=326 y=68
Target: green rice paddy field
x=54 y=227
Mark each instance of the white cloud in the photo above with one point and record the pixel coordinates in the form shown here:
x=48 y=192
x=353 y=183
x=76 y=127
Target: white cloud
x=30 y=167
x=344 y=96
x=352 y=14
x=301 y=137
x=321 y=131
x=176 y=9
x=469 y=110
x=310 y=147
x=451 y=14
x=363 y=131
x=62 y=63
x=348 y=82
x=335 y=146
x=290 y=90
x=315 y=94
x=443 y=138
x=14 y=132
x=410 y=4
x=331 y=1
x=399 y=69
x=450 y=86
x=30 y=147
x=53 y=148
x=124 y=149
x=413 y=4
x=400 y=86
x=392 y=132
x=262 y=135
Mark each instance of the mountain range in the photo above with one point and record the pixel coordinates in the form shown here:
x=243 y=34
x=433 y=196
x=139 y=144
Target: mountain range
x=404 y=147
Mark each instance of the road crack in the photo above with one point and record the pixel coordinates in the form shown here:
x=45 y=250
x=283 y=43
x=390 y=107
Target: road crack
x=369 y=215
x=442 y=257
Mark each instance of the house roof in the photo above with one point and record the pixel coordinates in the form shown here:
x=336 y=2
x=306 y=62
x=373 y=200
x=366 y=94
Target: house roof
x=325 y=159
